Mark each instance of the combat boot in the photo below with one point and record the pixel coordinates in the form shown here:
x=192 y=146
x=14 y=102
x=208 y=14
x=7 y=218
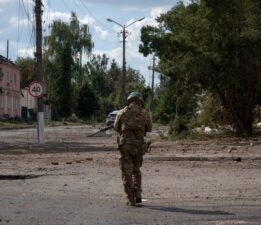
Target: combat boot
x=138 y=198
x=131 y=200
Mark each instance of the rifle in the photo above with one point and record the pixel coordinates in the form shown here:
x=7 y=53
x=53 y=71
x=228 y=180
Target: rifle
x=148 y=147
x=101 y=130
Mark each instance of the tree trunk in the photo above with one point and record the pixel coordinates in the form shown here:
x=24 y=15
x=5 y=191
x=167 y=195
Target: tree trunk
x=241 y=110
x=242 y=113
x=243 y=122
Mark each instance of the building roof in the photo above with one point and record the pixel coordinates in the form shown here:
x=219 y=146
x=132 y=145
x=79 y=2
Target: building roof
x=5 y=60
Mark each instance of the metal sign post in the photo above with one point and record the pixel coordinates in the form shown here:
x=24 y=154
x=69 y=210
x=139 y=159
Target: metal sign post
x=36 y=90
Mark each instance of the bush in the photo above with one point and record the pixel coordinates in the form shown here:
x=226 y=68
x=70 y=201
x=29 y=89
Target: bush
x=87 y=103
x=211 y=113
x=179 y=126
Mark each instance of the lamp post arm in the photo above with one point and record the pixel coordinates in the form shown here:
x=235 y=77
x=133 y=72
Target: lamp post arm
x=135 y=21
x=113 y=21
x=123 y=82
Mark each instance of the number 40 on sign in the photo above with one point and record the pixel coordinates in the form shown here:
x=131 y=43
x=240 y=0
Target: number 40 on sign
x=36 y=89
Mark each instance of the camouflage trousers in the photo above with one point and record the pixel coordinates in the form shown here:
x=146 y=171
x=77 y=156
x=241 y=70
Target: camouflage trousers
x=130 y=164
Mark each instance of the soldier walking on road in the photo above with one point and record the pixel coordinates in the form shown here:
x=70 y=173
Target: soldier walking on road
x=132 y=123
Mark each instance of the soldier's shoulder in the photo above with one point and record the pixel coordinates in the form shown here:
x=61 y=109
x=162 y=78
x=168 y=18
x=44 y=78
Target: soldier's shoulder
x=144 y=111
x=122 y=111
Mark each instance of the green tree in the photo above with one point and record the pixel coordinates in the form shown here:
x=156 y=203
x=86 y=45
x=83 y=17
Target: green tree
x=96 y=72
x=215 y=46
x=60 y=68
x=211 y=112
x=114 y=79
x=87 y=103
x=27 y=68
x=136 y=82
x=65 y=47
x=105 y=80
x=81 y=44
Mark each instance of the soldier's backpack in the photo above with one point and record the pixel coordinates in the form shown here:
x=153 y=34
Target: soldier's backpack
x=133 y=118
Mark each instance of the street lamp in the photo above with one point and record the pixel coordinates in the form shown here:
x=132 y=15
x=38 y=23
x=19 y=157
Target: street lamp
x=124 y=35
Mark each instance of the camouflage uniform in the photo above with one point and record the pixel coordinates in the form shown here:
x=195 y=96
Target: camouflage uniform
x=132 y=123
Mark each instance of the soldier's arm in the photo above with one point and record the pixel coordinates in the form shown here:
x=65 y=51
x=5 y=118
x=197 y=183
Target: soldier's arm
x=117 y=123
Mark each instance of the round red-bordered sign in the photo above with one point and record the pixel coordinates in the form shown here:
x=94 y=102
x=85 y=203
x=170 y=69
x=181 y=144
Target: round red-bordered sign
x=36 y=89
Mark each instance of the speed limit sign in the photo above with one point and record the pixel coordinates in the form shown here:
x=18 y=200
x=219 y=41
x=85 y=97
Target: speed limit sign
x=36 y=89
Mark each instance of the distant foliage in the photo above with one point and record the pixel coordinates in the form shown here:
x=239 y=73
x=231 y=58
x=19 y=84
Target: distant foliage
x=62 y=63
x=87 y=103
x=27 y=68
x=210 y=112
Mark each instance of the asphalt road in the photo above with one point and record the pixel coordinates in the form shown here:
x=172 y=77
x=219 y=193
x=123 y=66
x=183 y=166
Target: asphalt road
x=77 y=181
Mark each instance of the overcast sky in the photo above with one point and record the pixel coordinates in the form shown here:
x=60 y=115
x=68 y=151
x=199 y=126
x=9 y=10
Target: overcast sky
x=17 y=20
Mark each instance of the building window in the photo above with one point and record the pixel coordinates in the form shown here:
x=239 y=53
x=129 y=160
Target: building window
x=2 y=101
x=1 y=74
x=9 y=101
x=17 y=104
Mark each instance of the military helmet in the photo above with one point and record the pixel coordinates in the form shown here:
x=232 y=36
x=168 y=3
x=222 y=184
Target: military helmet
x=134 y=96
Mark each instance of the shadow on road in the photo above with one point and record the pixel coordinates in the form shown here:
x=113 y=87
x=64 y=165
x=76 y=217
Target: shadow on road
x=188 y=211
x=18 y=177
x=52 y=147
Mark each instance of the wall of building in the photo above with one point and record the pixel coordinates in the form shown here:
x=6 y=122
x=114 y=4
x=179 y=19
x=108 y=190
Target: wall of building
x=28 y=103
x=9 y=89
x=27 y=100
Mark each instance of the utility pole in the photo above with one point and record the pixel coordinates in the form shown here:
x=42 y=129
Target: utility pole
x=123 y=83
x=7 y=49
x=152 y=87
x=152 y=80
x=124 y=33
x=38 y=55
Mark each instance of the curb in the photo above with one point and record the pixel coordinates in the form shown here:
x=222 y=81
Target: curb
x=202 y=158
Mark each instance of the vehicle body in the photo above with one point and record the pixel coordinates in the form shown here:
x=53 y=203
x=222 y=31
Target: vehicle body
x=111 y=117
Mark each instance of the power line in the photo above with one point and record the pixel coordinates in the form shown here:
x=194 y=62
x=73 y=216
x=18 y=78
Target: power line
x=89 y=11
x=79 y=7
x=26 y=12
x=29 y=43
x=32 y=33
x=66 y=6
x=25 y=8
